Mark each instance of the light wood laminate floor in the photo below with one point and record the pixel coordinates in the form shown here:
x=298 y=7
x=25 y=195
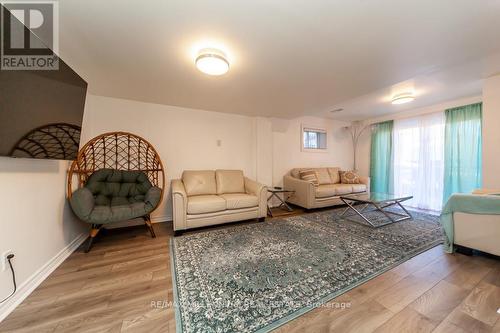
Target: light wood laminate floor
x=111 y=289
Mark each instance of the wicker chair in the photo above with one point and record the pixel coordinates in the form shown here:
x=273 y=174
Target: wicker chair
x=120 y=177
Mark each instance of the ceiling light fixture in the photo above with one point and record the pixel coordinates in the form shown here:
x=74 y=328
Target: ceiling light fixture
x=212 y=62
x=403 y=98
x=337 y=110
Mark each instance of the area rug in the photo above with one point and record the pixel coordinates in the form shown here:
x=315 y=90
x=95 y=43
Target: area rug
x=256 y=277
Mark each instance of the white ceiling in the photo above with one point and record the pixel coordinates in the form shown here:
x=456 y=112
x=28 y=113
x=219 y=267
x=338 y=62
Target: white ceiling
x=460 y=81
x=288 y=58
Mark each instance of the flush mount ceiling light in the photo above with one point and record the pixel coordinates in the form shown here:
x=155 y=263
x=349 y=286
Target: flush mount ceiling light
x=212 y=62
x=403 y=98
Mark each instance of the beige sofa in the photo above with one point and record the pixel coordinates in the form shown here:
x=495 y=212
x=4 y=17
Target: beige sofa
x=209 y=197
x=478 y=231
x=326 y=194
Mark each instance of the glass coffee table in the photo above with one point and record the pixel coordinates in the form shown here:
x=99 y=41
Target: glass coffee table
x=381 y=201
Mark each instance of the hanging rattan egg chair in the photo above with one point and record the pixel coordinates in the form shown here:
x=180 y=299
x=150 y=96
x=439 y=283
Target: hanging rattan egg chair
x=119 y=177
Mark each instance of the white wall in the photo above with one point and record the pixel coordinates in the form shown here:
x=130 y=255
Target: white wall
x=279 y=147
x=365 y=141
x=287 y=152
x=264 y=151
x=491 y=132
x=36 y=222
x=264 y=148
x=186 y=139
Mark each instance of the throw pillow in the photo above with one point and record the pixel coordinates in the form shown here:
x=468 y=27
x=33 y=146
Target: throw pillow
x=323 y=176
x=334 y=175
x=309 y=175
x=349 y=177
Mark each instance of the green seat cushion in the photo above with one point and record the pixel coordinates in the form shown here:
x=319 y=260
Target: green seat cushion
x=115 y=195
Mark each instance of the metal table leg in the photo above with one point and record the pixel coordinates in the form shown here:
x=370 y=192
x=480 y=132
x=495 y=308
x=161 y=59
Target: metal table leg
x=269 y=212
x=379 y=208
x=402 y=207
x=282 y=203
x=350 y=206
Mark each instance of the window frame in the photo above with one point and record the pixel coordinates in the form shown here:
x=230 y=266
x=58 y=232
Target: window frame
x=306 y=128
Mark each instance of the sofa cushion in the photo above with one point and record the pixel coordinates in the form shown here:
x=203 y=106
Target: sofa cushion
x=334 y=175
x=333 y=172
x=107 y=214
x=200 y=204
x=115 y=195
x=342 y=189
x=325 y=191
x=331 y=190
x=121 y=185
x=349 y=177
x=309 y=175
x=199 y=182
x=230 y=181
x=323 y=176
x=356 y=188
x=295 y=172
x=240 y=200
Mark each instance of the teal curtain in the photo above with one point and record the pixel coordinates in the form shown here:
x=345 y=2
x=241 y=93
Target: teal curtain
x=381 y=161
x=462 y=151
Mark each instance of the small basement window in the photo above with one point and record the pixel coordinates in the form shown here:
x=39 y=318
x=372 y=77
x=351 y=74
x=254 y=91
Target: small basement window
x=313 y=139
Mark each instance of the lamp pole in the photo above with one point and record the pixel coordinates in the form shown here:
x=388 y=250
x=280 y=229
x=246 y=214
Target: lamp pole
x=355 y=130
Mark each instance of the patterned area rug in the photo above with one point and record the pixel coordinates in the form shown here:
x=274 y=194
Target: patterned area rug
x=256 y=277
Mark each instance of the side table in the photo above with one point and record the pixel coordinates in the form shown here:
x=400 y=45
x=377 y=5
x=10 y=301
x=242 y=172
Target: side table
x=275 y=191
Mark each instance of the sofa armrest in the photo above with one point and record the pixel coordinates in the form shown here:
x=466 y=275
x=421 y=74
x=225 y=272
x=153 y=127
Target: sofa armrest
x=366 y=181
x=260 y=191
x=485 y=191
x=304 y=195
x=82 y=202
x=179 y=205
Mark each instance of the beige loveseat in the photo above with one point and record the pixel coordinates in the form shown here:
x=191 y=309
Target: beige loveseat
x=210 y=197
x=327 y=193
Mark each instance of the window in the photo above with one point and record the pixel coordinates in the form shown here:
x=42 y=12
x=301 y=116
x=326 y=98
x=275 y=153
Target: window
x=419 y=160
x=313 y=139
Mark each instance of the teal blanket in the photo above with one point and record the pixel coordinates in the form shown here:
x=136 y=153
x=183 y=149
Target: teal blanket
x=466 y=203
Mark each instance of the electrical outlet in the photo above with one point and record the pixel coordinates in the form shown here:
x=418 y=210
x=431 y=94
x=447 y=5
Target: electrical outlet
x=5 y=262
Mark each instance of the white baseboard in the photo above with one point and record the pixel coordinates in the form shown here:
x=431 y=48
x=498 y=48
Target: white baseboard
x=27 y=287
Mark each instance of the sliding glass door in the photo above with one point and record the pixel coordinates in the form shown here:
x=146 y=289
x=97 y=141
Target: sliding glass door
x=429 y=157
x=419 y=160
